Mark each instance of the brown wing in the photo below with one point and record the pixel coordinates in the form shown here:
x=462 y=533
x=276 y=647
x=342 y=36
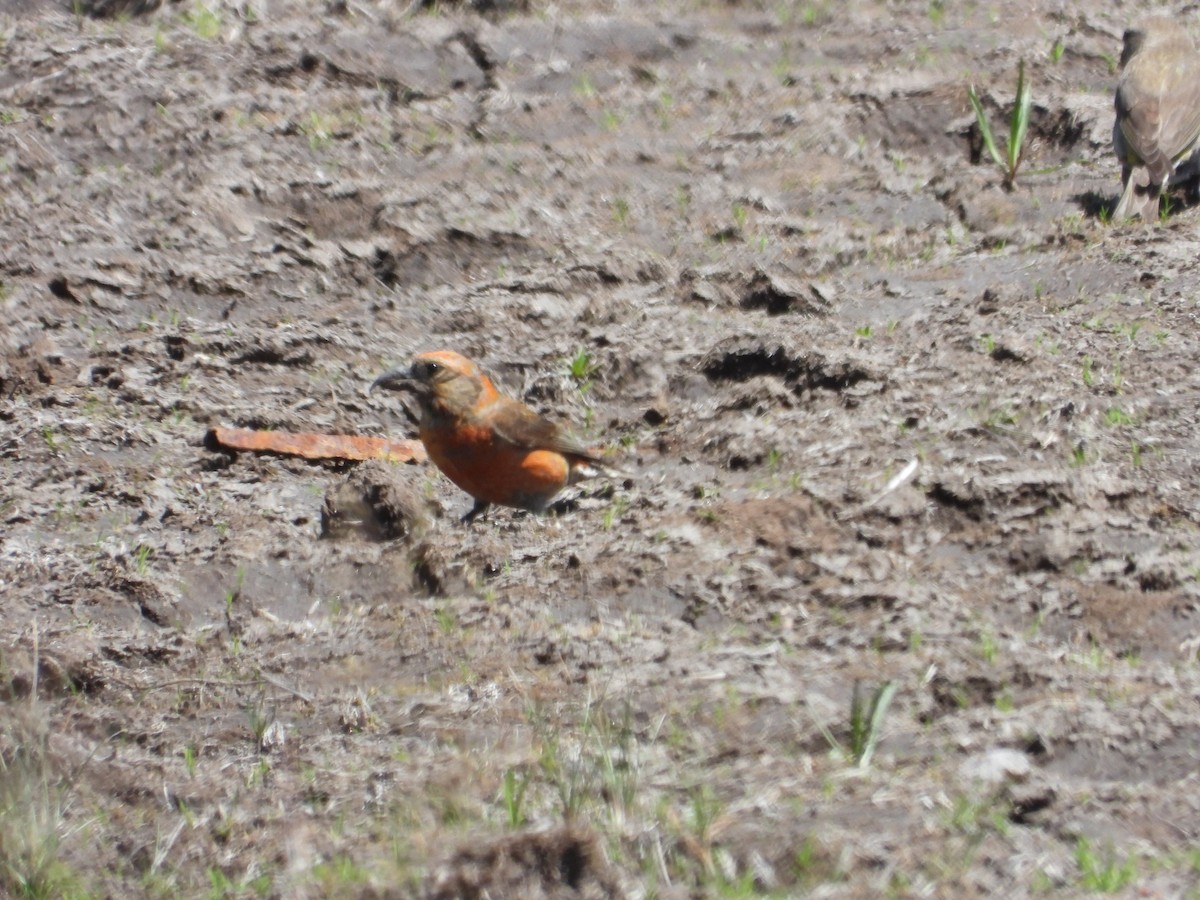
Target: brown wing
x=1158 y=108
x=1180 y=110
x=520 y=425
x=1140 y=122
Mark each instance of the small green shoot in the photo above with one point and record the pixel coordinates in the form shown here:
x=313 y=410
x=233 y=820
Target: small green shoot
x=987 y=647
x=740 y=215
x=141 y=559
x=189 y=759
x=615 y=511
x=1107 y=875
x=514 y=796
x=866 y=721
x=206 y=22
x=1018 y=125
x=866 y=724
x=446 y=619
x=582 y=367
x=620 y=209
x=234 y=594
x=1115 y=417
x=584 y=87
x=320 y=130
x=610 y=120
x=666 y=103
x=1089 y=377
x=259 y=721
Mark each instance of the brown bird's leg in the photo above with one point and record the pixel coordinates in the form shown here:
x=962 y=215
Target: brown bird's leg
x=1150 y=204
x=480 y=507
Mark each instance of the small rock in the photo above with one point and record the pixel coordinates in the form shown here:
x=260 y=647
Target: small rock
x=273 y=738
x=996 y=766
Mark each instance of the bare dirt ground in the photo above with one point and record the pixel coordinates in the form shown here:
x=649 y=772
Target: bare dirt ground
x=887 y=424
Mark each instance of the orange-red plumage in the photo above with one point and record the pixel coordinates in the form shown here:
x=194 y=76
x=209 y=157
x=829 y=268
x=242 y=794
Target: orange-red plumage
x=495 y=448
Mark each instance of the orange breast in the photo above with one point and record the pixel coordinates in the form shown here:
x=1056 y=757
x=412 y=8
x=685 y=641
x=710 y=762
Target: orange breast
x=495 y=471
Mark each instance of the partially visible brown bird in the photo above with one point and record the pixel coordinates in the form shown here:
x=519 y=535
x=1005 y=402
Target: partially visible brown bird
x=495 y=448
x=1158 y=111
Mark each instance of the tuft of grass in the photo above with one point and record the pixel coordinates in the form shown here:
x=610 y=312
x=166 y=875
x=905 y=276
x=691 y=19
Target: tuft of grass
x=616 y=509
x=1018 y=126
x=1103 y=873
x=865 y=726
x=582 y=368
x=1164 y=211
x=320 y=130
x=514 y=788
x=1088 y=375
x=34 y=801
x=1115 y=416
x=447 y=621
x=611 y=120
x=584 y=88
x=204 y=21
x=620 y=210
x=589 y=768
x=814 y=14
x=740 y=216
x=33 y=804
x=988 y=648
x=190 y=758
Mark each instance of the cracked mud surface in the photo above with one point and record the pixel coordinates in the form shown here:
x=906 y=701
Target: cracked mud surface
x=886 y=422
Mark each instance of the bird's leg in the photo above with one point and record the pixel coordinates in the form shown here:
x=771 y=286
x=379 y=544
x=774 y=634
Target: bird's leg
x=1152 y=209
x=480 y=507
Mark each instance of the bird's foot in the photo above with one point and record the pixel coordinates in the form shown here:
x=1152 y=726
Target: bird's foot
x=479 y=509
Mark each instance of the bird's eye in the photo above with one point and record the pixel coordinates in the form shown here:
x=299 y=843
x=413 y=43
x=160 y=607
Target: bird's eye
x=431 y=367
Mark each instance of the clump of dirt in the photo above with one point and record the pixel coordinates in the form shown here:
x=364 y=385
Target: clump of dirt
x=375 y=502
x=560 y=863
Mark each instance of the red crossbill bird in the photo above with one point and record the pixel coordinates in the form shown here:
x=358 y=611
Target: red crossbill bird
x=1158 y=111
x=495 y=448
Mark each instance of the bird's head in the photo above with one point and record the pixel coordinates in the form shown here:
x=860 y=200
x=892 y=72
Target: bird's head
x=443 y=382
x=1158 y=34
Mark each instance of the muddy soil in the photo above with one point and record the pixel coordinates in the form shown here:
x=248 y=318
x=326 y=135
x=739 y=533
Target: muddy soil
x=892 y=431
